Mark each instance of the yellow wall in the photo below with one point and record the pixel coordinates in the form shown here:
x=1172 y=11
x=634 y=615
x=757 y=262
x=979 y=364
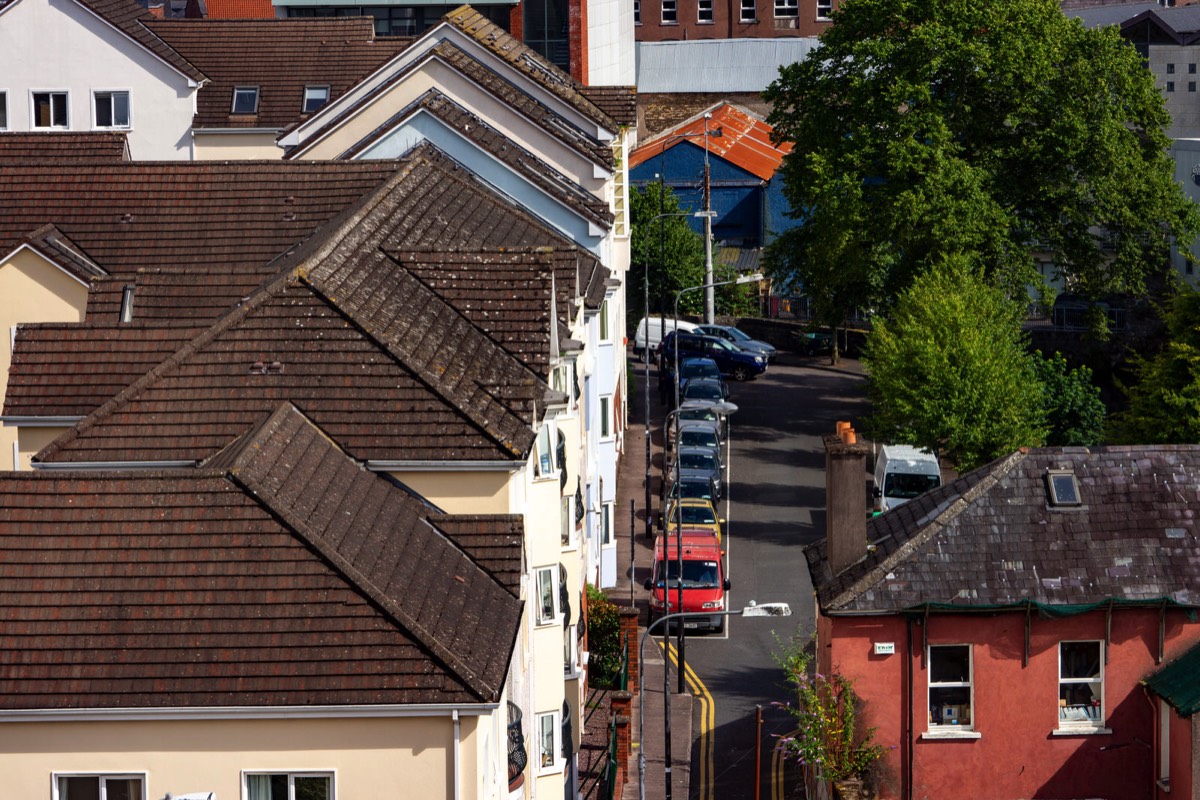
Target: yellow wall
x=462 y=492
x=31 y=290
x=32 y=440
x=236 y=146
x=372 y=759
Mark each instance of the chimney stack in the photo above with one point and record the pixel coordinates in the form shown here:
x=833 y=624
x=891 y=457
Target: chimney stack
x=845 y=498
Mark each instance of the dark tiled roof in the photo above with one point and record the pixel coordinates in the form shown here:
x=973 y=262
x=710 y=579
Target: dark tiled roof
x=524 y=58
x=194 y=216
x=66 y=145
x=494 y=541
x=618 y=102
x=54 y=246
x=487 y=138
x=1177 y=682
x=280 y=56
x=132 y=19
x=200 y=589
x=70 y=370
x=169 y=295
x=990 y=538
x=381 y=540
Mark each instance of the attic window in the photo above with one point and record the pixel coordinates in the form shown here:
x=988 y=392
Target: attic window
x=127 y=303
x=1064 y=489
x=315 y=97
x=245 y=100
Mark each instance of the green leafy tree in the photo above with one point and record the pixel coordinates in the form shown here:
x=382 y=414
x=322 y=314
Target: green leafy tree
x=1071 y=403
x=1164 y=404
x=977 y=129
x=666 y=248
x=948 y=369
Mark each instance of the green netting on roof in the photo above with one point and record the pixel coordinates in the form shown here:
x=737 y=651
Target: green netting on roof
x=1179 y=682
x=1052 y=610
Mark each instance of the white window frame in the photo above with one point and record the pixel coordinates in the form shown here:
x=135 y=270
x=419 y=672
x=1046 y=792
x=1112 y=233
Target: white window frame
x=101 y=776
x=704 y=12
x=571 y=651
x=233 y=107
x=607 y=427
x=291 y=775
x=3 y=109
x=605 y=326
x=556 y=760
x=608 y=536
x=33 y=95
x=311 y=92
x=787 y=9
x=567 y=523
x=545 y=453
x=637 y=12
x=824 y=9
x=546 y=576
x=112 y=93
x=1092 y=723
x=673 y=18
x=748 y=5
x=969 y=684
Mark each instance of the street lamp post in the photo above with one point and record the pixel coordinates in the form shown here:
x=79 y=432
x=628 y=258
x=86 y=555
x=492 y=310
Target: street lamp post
x=752 y=610
x=741 y=279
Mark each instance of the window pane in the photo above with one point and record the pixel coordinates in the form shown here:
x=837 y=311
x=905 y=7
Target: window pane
x=245 y=100
x=58 y=103
x=1080 y=659
x=121 y=109
x=103 y=110
x=950 y=705
x=546 y=724
x=950 y=664
x=79 y=788
x=545 y=596
x=313 y=788
x=122 y=789
x=3 y=111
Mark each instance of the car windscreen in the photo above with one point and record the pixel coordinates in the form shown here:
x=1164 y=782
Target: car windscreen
x=698 y=413
x=906 y=485
x=703 y=391
x=721 y=344
x=698 y=438
x=699 y=461
x=696 y=574
x=699 y=369
x=701 y=490
x=694 y=515
x=738 y=335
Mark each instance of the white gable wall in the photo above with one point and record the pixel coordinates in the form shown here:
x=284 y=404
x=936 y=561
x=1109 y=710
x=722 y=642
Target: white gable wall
x=610 y=43
x=57 y=45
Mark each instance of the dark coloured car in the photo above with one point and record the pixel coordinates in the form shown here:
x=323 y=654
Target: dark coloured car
x=696 y=462
x=707 y=390
x=740 y=338
x=695 y=367
x=732 y=361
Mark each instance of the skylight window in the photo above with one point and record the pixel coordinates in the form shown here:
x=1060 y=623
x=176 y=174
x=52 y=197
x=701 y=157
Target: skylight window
x=245 y=100
x=1064 y=488
x=315 y=97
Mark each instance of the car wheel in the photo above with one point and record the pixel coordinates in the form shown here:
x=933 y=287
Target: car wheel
x=741 y=374
x=720 y=626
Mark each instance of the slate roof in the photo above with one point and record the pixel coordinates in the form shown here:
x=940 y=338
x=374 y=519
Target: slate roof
x=132 y=19
x=1176 y=682
x=374 y=356
x=280 y=56
x=528 y=61
x=500 y=147
x=286 y=576
x=745 y=140
x=184 y=215
x=990 y=538
x=65 y=145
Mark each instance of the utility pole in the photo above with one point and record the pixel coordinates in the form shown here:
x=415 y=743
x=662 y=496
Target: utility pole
x=710 y=302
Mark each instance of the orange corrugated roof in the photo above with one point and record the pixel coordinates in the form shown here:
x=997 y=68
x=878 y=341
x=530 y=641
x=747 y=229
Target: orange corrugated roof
x=240 y=9
x=745 y=141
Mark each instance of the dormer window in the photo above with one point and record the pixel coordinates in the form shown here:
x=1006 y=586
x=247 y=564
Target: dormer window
x=315 y=97
x=1063 y=488
x=245 y=100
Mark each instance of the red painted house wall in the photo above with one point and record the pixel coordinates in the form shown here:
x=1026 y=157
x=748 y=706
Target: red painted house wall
x=1181 y=755
x=1014 y=708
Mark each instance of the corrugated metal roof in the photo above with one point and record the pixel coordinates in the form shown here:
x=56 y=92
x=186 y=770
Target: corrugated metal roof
x=716 y=65
x=1100 y=16
x=1177 y=684
x=745 y=140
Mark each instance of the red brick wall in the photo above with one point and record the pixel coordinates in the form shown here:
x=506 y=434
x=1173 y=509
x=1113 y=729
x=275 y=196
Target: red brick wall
x=726 y=22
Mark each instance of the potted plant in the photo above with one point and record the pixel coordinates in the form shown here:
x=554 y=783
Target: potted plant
x=827 y=739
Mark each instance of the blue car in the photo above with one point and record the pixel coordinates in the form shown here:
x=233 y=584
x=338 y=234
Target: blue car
x=738 y=364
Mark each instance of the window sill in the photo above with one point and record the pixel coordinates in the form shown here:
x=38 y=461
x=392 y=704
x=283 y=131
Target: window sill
x=1081 y=732
x=553 y=476
x=556 y=769
x=948 y=735
x=705 y=22
x=787 y=16
x=669 y=24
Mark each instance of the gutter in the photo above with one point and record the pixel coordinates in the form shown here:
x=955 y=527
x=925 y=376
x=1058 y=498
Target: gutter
x=247 y=712
x=384 y=465
x=40 y=422
x=93 y=466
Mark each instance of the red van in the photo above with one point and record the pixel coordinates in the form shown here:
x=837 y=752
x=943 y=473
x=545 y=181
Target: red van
x=704 y=583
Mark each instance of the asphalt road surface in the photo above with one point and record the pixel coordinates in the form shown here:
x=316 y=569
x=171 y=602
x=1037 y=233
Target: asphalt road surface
x=776 y=507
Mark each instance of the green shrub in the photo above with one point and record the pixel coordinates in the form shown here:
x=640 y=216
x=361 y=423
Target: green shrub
x=604 y=640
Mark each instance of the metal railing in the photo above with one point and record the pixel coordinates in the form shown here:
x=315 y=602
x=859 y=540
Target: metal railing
x=518 y=756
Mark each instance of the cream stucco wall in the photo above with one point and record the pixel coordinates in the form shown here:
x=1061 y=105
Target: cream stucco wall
x=57 y=45
x=462 y=492
x=31 y=290
x=372 y=759
x=248 y=146
x=30 y=440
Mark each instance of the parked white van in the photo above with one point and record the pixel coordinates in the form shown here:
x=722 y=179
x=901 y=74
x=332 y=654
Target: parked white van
x=650 y=333
x=902 y=472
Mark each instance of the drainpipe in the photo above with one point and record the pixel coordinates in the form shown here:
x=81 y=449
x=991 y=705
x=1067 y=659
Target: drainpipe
x=1156 y=748
x=906 y=781
x=457 y=757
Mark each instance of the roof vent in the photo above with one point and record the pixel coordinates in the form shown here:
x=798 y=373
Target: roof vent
x=1063 y=488
x=126 y=218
